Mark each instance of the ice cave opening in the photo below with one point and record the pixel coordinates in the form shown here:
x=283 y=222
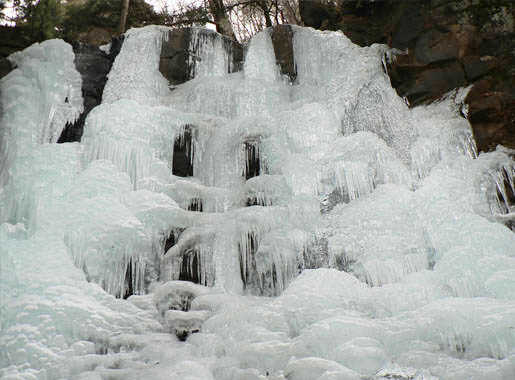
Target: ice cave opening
x=233 y=221
x=183 y=152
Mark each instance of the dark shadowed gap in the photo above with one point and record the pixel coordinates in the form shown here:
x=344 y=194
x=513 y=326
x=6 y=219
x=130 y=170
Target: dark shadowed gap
x=252 y=166
x=182 y=164
x=252 y=201
x=248 y=271
x=93 y=64
x=172 y=238
x=129 y=289
x=190 y=267
x=195 y=205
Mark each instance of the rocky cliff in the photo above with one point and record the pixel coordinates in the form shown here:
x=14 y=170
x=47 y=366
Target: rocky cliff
x=447 y=44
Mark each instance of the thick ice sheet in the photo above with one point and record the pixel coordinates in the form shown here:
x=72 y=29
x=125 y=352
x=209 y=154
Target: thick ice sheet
x=333 y=232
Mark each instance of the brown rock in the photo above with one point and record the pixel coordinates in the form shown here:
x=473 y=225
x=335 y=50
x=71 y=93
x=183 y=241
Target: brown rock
x=427 y=84
x=465 y=37
x=96 y=36
x=434 y=46
x=317 y=13
x=477 y=67
x=282 y=39
x=173 y=63
x=176 y=55
x=449 y=43
x=93 y=65
x=492 y=116
x=5 y=67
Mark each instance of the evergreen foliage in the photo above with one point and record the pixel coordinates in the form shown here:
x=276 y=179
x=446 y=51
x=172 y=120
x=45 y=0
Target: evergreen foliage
x=38 y=20
x=82 y=16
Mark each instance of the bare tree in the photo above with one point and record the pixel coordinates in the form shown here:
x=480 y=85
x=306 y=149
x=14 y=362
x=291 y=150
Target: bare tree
x=250 y=16
x=221 y=18
x=234 y=18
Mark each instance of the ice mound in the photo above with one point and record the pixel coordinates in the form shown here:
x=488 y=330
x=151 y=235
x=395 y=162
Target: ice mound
x=316 y=368
x=259 y=228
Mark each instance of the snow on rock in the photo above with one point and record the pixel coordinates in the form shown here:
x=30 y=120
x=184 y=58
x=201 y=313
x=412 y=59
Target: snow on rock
x=182 y=323
x=176 y=295
x=132 y=78
x=364 y=355
x=316 y=368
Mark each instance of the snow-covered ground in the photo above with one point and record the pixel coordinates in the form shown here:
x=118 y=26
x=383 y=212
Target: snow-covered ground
x=370 y=245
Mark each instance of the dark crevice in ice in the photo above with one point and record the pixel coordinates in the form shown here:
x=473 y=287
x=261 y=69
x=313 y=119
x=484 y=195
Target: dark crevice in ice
x=252 y=162
x=260 y=284
x=336 y=197
x=190 y=267
x=93 y=65
x=172 y=238
x=129 y=288
x=101 y=348
x=507 y=200
x=247 y=258
x=195 y=205
x=182 y=164
x=252 y=201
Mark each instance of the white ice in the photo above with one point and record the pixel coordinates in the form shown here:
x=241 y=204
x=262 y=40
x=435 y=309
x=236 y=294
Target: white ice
x=374 y=243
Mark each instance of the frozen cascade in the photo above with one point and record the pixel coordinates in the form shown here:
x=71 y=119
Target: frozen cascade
x=143 y=82
x=213 y=54
x=49 y=99
x=260 y=60
x=259 y=229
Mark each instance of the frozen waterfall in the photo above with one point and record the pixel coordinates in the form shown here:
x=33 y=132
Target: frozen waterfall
x=246 y=224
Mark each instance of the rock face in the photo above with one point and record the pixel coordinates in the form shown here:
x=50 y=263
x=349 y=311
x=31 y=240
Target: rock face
x=5 y=67
x=176 y=55
x=12 y=39
x=93 y=64
x=448 y=44
x=282 y=39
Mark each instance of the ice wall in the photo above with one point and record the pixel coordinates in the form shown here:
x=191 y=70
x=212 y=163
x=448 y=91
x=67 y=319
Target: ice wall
x=37 y=102
x=334 y=137
x=376 y=232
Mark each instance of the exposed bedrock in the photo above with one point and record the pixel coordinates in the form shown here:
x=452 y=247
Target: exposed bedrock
x=5 y=67
x=448 y=44
x=282 y=39
x=177 y=58
x=93 y=64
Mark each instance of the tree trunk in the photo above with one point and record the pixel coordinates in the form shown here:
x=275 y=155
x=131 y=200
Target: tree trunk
x=123 y=16
x=266 y=12
x=221 y=18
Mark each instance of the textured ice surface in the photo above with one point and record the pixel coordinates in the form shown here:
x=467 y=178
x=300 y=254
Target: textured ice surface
x=325 y=230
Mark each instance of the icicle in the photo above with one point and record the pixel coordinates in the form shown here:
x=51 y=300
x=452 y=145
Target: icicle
x=184 y=152
x=278 y=260
x=253 y=165
x=211 y=56
x=135 y=73
x=354 y=179
x=111 y=274
x=260 y=59
x=495 y=176
x=267 y=190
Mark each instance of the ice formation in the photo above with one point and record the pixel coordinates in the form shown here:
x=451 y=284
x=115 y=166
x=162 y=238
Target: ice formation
x=258 y=229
